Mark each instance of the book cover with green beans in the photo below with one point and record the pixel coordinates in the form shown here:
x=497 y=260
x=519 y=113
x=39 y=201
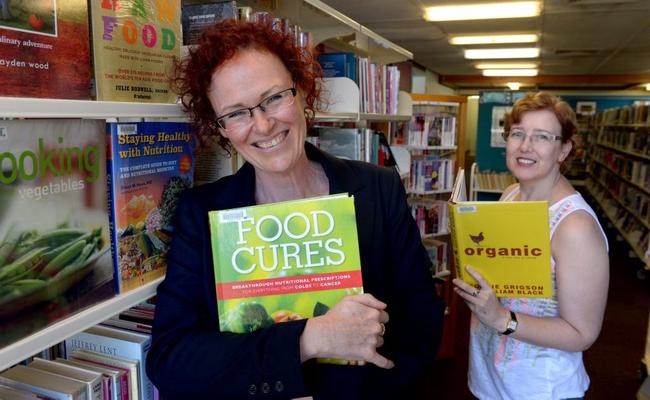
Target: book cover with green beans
x=284 y=261
x=54 y=242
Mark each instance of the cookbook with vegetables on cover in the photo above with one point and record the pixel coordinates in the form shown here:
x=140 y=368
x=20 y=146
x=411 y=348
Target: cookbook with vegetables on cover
x=284 y=261
x=54 y=241
x=149 y=165
x=508 y=243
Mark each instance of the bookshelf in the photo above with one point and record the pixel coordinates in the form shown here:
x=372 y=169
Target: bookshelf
x=487 y=182
x=619 y=176
x=84 y=319
x=327 y=26
x=436 y=132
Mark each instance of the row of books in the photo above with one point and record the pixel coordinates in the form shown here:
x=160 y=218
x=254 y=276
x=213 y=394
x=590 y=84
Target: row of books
x=430 y=173
x=430 y=216
x=633 y=141
x=630 y=196
x=635 y=232
x=633 y=114
x=432 y=128
x=361 y=144
x=85 y=212
x=438 y=252
x=490 y=180
x=104 y=362
x=630 y=169
x=132 y=43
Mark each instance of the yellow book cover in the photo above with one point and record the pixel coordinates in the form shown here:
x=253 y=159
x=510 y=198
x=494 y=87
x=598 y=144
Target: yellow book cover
x=135 y=43
x=508 y=243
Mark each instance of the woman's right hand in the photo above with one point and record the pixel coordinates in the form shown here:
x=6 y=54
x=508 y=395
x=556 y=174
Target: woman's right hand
x=351 y=330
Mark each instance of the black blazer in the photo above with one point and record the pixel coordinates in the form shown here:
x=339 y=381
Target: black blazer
x=191 y=359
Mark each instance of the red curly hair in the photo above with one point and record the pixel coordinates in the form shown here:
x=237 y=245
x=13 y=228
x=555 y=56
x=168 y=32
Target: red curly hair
x=219 y=44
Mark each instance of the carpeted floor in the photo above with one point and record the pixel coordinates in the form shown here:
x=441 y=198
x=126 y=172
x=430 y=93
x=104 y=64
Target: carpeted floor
x=612 y=362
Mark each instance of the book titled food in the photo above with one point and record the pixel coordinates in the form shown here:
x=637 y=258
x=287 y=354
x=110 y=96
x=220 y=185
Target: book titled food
x=149 y=165
x=44 y=49
x=135 y=43
x=508 y=243
x=284 y=261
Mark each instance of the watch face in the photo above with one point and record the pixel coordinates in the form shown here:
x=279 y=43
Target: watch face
x=512 y=325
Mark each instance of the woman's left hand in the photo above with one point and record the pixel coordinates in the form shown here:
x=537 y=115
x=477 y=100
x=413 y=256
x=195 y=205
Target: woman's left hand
x=482 y=302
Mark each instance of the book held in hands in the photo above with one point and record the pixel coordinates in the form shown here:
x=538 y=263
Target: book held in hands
x=508 y=243
x=284 y=261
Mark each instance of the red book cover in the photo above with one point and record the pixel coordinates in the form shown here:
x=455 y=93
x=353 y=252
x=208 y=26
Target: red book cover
x=44 y=49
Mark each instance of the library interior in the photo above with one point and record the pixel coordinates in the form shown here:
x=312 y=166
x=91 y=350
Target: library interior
x=100 y=136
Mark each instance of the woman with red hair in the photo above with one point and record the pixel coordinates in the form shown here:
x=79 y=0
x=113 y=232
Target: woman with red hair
x=254 y=90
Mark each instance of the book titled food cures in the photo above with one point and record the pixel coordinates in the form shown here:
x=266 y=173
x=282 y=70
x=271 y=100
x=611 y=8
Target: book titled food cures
x=508 y=243
x=284 y=261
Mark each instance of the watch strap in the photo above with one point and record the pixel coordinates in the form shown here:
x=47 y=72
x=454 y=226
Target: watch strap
x=511 y=327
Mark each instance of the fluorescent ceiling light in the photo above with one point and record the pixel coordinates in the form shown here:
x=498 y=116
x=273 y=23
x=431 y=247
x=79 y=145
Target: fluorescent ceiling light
x=513 y=85
x=509 y=72
x=476 y=54
x=512 y=9
x=493 y=39
x=505 y=65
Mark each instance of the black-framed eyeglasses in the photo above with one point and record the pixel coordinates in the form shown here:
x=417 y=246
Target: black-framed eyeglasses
x=518 y=135
x=243 y=117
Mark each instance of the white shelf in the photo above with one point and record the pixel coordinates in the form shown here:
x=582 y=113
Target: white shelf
x=22 y=107
x=326 y=24
x=84 y=319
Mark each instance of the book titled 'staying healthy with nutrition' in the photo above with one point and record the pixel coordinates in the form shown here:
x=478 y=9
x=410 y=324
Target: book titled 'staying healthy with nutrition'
x=284 y=261
x=508 y=243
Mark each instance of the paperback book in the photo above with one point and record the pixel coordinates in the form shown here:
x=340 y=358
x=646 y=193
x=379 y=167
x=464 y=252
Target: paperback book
x=149 y=165
x=54 y=236
x=508 y=243
x=135 y=43
x=284 y=261
x=44 y=49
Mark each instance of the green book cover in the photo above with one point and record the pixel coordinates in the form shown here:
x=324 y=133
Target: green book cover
x=284 y=261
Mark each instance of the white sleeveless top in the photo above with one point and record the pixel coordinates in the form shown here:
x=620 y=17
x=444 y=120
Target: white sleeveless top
x=501 y=367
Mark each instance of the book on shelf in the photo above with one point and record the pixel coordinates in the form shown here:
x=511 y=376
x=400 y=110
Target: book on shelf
x=117 y=322
x=127 y=367
x=10 y=393
x=135 y=44
x=96 y=388
x=197 y=17
x=54 y=234
x=45 y=49
x=508 y=243
x=119 y=343
x=52 y=386
x=339 y=64
x=438 y=254
x=284 y=261
x=113 y=376
x=149 y=165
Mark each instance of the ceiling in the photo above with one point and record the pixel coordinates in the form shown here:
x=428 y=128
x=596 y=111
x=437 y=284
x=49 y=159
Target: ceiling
x=585 y=44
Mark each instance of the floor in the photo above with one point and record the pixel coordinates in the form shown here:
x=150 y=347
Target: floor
x=613 y=362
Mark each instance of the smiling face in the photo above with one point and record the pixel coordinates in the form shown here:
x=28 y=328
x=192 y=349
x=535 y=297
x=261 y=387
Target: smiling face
x=271 y=143
x=530 y=162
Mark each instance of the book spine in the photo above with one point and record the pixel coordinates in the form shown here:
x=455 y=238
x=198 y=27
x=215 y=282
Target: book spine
x=454 y=240
x=111 y=175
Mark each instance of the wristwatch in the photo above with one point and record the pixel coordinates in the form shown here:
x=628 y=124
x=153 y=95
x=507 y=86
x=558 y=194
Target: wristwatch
x=512 y=324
